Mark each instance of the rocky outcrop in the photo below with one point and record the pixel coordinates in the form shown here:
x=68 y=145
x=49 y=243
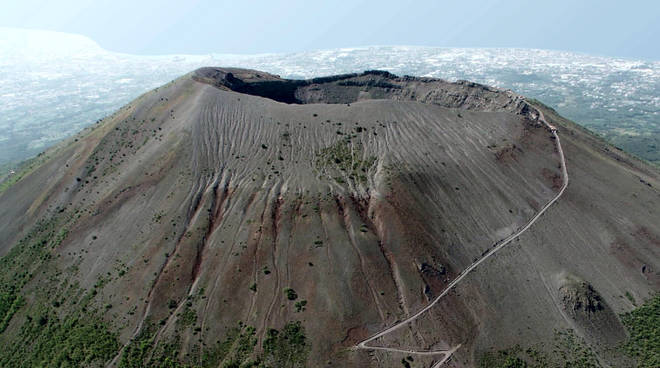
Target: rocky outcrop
x=592 y=316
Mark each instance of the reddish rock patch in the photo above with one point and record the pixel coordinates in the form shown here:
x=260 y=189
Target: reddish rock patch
x=354 y=335
x=552 y=177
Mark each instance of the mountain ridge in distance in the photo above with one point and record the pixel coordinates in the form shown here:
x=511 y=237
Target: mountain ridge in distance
x=208 y=223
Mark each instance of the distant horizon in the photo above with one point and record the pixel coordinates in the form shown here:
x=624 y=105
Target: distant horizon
x=347 y=48
x=608 y=28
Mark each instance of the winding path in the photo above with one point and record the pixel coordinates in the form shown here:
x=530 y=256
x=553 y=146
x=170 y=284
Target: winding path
x=496 y=247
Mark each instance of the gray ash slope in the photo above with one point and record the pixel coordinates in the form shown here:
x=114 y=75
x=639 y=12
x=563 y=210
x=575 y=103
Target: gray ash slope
x=220 y=193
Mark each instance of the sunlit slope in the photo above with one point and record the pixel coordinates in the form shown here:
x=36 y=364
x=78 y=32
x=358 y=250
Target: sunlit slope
x=208 y=202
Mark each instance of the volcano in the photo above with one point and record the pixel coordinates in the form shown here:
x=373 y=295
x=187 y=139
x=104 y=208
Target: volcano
x=232 y=218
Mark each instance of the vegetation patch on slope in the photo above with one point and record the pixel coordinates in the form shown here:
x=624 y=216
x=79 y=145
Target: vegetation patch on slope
x=344 y=161
x=568 y=351
x=59 y=327
x=45 y=340
x=281 y=349
x=286 y=348
x=62 y=325
x=22 y=261
x=643 y=325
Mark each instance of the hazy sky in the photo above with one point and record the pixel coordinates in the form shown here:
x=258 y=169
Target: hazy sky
x=626 y=28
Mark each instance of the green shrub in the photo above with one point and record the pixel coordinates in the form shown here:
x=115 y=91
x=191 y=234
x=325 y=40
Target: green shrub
x=503 y=359
x=188 y=317
x=235 y=350
x=300 y=306
x=47 y=341
x=286 y=349
x=345 y=158
x=139 y=348
x=10 y=303
x=643 y=325
x=290 y=294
